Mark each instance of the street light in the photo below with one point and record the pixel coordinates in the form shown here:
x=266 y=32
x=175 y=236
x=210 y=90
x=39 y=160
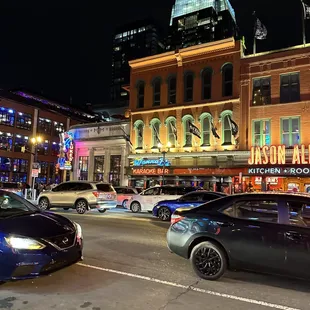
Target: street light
x=164 y=152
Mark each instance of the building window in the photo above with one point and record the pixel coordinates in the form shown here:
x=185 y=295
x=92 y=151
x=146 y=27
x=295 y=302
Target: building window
x=6 y=141
x=44 y=126
x=7 y=117
x=290 y=131
x=55 y=148
x=20 y=142
x=24 y=121
x=83 y=168
x=20 y=169
x=139 y=128
x=43 y=173
x=140 y=95
x=172 y=90
x=43 y=148
x=261 y=133
x=156 y=92
x=99 y=168
x=5 y=168
x=188 y=136
x=261 y=91
x=227 y=76
x=172 y=131
x=188 y=87
x=155 y=124
x=115 y=170
x=290 y=88
x=206 y=130
x=226 y=128
x=206 y=84
x=58 y=128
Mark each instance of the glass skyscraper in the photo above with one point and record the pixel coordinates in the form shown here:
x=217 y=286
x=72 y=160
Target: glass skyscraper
x=200 y=21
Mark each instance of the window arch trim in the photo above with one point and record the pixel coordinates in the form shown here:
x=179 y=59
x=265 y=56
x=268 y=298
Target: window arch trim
x=223 y=115
x=201 y=119
x=185 y=118
x=167 y=125
x=136 y=126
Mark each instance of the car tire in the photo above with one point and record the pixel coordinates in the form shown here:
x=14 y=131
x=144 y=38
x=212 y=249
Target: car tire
x=124 y=203
x=66 y=209
x=102 y=210
x=164 y=214
x=81 y=206
x=44 y=204
x=135 y=207
x=213 y=259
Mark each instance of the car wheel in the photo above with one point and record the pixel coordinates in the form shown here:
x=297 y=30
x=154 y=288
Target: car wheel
x=208 y=261
x=81 y=206
x=66 y=209
x=135 y=207
x=164 y=214
x=102 y=210
x=44 y=204
x=124 y=203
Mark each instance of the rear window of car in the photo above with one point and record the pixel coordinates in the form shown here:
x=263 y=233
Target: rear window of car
x=105 y=187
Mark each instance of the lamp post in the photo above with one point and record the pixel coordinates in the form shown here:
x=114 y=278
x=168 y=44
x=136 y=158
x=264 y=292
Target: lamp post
x=164 y=151
x=35 y=141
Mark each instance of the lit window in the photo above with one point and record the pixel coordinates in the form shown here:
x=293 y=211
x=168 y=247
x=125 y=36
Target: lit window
x=43 y=148
x=261 y=133
x=58 y=128
x=24 y=121
x=290 y=131
x=20 y=142
x=6 y=141
x=44 y=126
x=206 y=130
x=261 y=91
x=7 y=117
x=83 y=168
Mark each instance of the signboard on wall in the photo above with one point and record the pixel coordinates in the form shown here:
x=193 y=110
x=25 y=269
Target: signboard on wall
x=138 y=162
x=150 y=171
x=67 y=151
x=283 y=171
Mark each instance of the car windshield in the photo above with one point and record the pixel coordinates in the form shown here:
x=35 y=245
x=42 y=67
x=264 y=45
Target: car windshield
x=12 y=205
x=105 y=187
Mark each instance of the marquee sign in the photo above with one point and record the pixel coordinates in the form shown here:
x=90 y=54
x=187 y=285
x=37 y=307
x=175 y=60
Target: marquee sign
x=150 y=171
x=138 y=162
x=67 y=151
x=276 y=155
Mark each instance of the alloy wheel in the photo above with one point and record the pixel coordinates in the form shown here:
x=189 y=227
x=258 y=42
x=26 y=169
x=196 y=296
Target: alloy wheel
x=164 y=214
x=208 y=261
x=81 y=207
x=43 y=204
x=135 y=207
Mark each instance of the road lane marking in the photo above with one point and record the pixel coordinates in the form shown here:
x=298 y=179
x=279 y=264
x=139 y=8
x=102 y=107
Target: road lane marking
x=192 y=288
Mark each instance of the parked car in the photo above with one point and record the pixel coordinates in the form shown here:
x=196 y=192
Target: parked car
x=79 y=195
x=146 y=200
x=14 y=187
x=124 y=193
x=164 y=208
x=267 y=232
x=33 y=242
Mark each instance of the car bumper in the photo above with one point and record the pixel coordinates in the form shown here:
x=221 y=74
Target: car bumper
x=104 y=205
x=24 y=265
x=177 y=243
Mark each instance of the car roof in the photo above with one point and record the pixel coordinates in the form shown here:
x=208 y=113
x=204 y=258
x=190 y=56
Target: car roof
x=88 y=182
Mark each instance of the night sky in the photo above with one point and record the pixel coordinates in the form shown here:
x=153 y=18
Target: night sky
x=63 y=48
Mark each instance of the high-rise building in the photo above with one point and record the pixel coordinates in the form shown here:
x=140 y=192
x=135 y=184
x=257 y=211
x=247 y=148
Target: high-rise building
x=131 y=41
x=195 y=22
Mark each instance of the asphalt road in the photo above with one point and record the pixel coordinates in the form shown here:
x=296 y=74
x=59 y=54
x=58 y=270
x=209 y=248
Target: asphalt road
x=127 y=266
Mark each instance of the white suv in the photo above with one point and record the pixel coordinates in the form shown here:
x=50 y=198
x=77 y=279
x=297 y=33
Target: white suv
x=79 y=195
x=146 y=200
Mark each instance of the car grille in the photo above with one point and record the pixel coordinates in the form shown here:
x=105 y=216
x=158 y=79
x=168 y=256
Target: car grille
x=63 y=241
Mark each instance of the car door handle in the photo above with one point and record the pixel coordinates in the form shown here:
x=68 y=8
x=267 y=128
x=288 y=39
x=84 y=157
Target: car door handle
x=225 y=224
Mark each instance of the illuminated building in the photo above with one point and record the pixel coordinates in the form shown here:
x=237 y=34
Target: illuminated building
x=196 y=22
x=198 y=85
x=24 y=116
x=101 y=151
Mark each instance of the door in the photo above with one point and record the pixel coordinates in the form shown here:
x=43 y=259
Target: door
x=297 y=237
x=149 y=197
x=65 y=194
x=254 y=238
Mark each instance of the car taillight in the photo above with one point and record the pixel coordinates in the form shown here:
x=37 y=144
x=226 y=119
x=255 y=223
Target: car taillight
x=176 y=218
x=96 y=194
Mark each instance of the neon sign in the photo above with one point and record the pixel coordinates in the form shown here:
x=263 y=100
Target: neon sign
x=275 y=155
x=295 y=171
x=150 y=171
x=138 y=162
x=67 y=151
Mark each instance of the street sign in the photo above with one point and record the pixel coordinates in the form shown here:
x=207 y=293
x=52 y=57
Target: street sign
x=36 y=166
x=35 y=173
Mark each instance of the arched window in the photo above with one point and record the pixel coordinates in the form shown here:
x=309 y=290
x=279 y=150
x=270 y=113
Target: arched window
x=140 y=94
x=205 y=122
x=139 y=131
x=172 y=134
x=155 y=126
x=188 y=87
x=226 y=127
x=172 y=89
x=188 y=136
x=156 y=92
x=227 y=79
x=206 y=84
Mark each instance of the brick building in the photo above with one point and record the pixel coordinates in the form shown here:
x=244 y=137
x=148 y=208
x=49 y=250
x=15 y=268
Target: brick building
x=24 y=116
x=176 y=93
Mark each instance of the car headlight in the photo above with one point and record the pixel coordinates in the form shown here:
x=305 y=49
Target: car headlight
x=21 y=243
x=78 y=228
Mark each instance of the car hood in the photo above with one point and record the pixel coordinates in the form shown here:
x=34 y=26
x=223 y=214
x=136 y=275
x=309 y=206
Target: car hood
x=37 y=225
x=167 y=201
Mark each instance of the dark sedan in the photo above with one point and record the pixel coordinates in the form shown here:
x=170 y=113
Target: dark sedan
x=164 y=208
x=34 y=242
x=267 y=232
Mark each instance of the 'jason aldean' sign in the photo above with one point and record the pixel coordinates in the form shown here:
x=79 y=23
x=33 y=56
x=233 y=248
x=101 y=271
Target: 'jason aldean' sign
x=275 y=155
